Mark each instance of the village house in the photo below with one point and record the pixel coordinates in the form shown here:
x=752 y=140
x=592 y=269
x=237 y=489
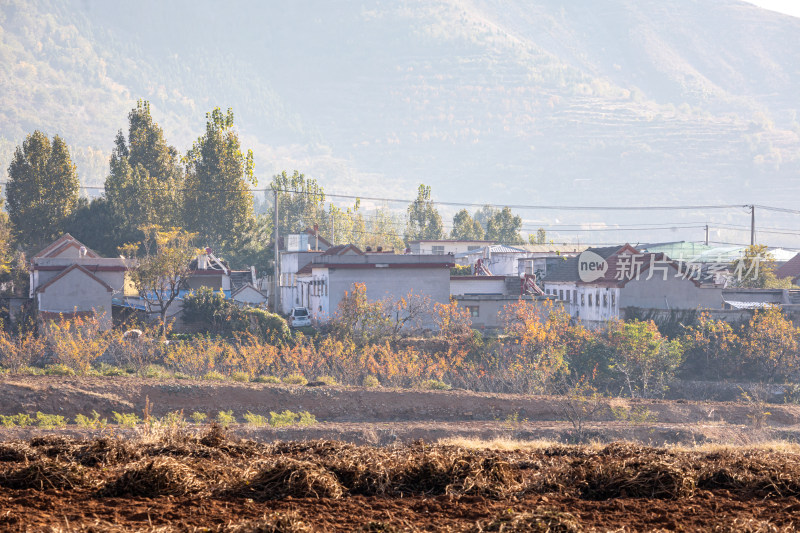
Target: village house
x=323 y=282
x=68 y=279
x=631 y=280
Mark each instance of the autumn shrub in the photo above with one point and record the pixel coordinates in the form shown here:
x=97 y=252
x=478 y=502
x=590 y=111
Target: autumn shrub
x=139 y=349
x=645 y=359
x=59 y=369
x=19 y=352
x=77 y=343
x=434 y=384
x=769 y=344
x=370 y=382
x=713 y=349
x=294 y=379
x=195 y=357
x=240 y=376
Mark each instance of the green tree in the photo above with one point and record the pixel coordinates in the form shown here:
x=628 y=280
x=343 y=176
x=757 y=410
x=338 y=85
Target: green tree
x=159 y=266
x=424 y=221
x=145 y=181
x=253 y=249
x=756 y=270
x=539 y=238
x=645 y=360
x=301 y=203
x=504 y=227
x=465 y=227
x=484 y=214
x=218 y=203
x=42 y=190
x=94 y=224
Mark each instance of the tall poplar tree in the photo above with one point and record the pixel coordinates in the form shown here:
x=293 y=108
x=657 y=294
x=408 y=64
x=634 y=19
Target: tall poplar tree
x=42 y=190
x=218 y=202
x=424 y=221
x=146 y=178
x=465 y=227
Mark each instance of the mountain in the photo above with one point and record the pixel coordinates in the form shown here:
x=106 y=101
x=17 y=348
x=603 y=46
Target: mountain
x=621 y=102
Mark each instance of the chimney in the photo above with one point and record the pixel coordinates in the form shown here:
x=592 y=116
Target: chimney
x=369 y=248
x=380 y=248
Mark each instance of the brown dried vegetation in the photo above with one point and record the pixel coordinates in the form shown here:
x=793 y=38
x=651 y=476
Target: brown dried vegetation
x=540 y=489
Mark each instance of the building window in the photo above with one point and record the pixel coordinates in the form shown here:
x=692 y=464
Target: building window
x=583 y=302
x=613 y=299
x=575 y=297
x=474 y=310
x=605 y=300
x=438 y=250
x=590 y=299
x=560 y=295
x=471 y=247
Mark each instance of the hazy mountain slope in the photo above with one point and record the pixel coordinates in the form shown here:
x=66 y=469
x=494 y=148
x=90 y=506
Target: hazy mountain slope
x=487 y=100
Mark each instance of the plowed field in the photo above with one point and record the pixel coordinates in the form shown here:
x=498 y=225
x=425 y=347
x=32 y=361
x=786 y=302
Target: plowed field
x=177 y=481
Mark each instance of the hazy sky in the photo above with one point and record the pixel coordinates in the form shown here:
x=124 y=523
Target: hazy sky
x=790 y=7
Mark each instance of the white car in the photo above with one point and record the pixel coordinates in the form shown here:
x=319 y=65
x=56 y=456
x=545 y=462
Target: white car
x=299 y=317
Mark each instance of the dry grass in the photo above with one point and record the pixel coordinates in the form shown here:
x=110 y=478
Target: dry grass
x=540 y=521
x=45 y=474
x=289 y=477
x=162 y=476
x=183 y=463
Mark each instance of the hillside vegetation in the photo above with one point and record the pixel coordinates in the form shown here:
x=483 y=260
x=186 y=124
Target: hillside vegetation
x=635 y=99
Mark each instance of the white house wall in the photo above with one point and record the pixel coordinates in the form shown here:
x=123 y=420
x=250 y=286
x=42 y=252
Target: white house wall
x=604 y=306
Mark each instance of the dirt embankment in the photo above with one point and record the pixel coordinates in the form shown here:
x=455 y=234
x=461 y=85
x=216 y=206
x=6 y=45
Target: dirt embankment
x=70 y=396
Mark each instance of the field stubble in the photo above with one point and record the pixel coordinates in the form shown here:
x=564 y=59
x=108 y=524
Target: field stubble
x=178 y=480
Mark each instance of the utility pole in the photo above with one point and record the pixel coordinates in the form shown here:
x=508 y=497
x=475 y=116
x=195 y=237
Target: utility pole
x=276 y=297
x=706 y=234
x=752 y=225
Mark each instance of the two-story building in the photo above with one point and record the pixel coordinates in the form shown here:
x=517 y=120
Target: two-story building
x=68 y=279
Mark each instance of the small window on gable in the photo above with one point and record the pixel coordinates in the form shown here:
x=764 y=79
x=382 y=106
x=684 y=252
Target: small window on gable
x=474 y=310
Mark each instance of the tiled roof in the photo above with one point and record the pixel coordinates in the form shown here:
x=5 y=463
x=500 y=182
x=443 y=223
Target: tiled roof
x=568 y=270
x=494 y=249
x=790 y=269
x=340 y=249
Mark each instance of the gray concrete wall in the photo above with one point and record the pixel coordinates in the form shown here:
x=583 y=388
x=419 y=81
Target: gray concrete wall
x=672 y=293
x=76 y=292
x=392 y=282
x=490 y=307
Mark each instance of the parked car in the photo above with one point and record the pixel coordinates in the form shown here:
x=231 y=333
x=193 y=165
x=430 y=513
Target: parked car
x=299 y=317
